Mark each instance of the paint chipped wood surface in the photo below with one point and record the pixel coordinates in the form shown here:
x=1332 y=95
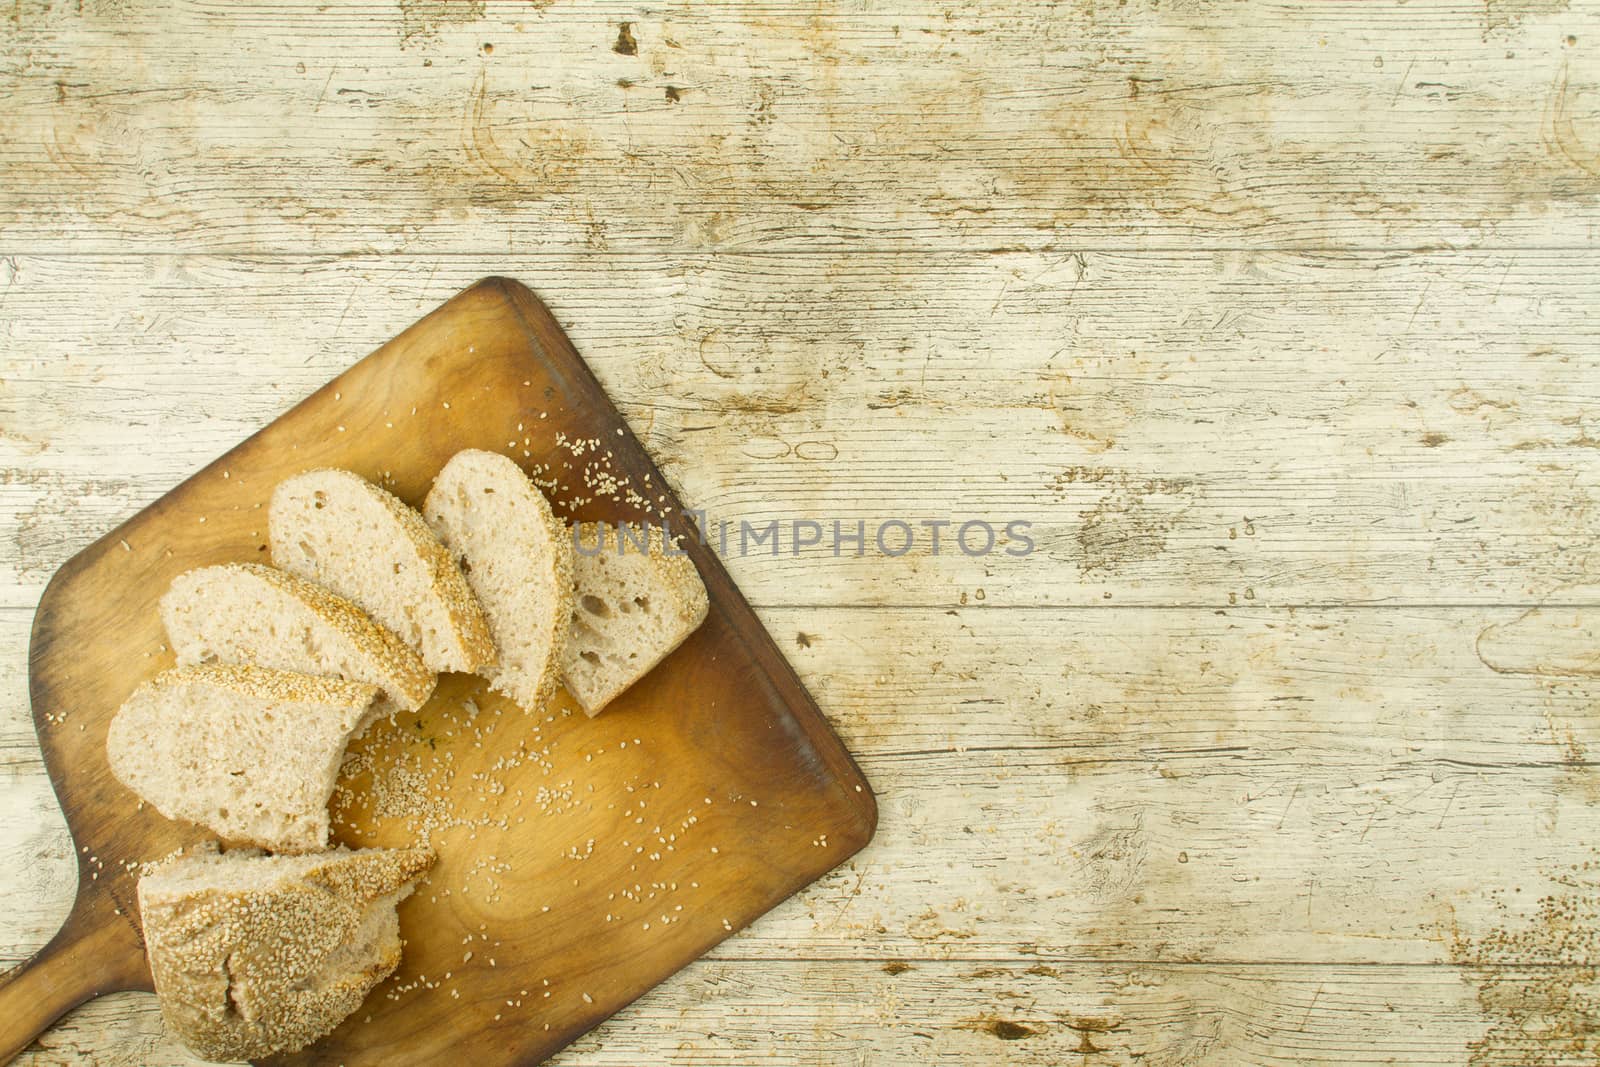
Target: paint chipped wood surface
x=472 y=126
x=1276 y=321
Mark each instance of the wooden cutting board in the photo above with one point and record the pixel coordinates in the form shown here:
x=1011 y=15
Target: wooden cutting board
x=581 y=861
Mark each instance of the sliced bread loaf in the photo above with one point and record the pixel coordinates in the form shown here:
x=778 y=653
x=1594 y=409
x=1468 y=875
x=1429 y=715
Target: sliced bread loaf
x=258 y=955
x=248 y=752
x=341 y=531
x=517 y=558
x=246 y=613
x=635 y=602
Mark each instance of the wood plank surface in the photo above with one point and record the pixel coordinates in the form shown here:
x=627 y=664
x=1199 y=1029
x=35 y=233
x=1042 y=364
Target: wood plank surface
x=426 y=126
x=1322 y=788
x=1276 y=321
x=1208 y=428
x=727 y=1015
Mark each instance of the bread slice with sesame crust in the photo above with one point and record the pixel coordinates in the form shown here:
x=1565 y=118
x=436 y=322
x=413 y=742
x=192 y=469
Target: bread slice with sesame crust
x=636 y=600
x=339 y=530
x=250 y=614
x=250 y=753
x=258 y=955
x=517 y=558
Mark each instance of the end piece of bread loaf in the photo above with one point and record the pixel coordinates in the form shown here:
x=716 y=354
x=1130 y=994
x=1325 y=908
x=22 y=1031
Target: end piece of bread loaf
x=517 y=558
x=250 y=614
x=259 y=955
x=250 y=753
x=339 y=530
x=633 y=606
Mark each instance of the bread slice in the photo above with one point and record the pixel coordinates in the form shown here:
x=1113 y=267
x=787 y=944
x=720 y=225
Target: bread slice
x=250 y=614
x=517 y=558
x=259 y=955
x=633 y=607
x=248 y=752
x=341 y=531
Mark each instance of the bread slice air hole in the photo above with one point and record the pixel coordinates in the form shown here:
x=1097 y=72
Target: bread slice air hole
x=595 y=606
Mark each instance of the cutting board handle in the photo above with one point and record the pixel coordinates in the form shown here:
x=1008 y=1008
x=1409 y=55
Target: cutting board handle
x=86 y=959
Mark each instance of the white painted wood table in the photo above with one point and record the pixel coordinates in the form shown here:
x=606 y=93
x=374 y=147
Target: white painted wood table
x=1278 y=322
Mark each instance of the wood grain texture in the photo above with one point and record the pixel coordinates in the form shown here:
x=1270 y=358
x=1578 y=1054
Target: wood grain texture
x=425 y=126
x=995 y=1012
x=1218 y=429
x=1276 y=318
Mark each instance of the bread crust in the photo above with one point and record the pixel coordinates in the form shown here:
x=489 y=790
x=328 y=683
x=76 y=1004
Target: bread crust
x=247 y=972
x=403 y=674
